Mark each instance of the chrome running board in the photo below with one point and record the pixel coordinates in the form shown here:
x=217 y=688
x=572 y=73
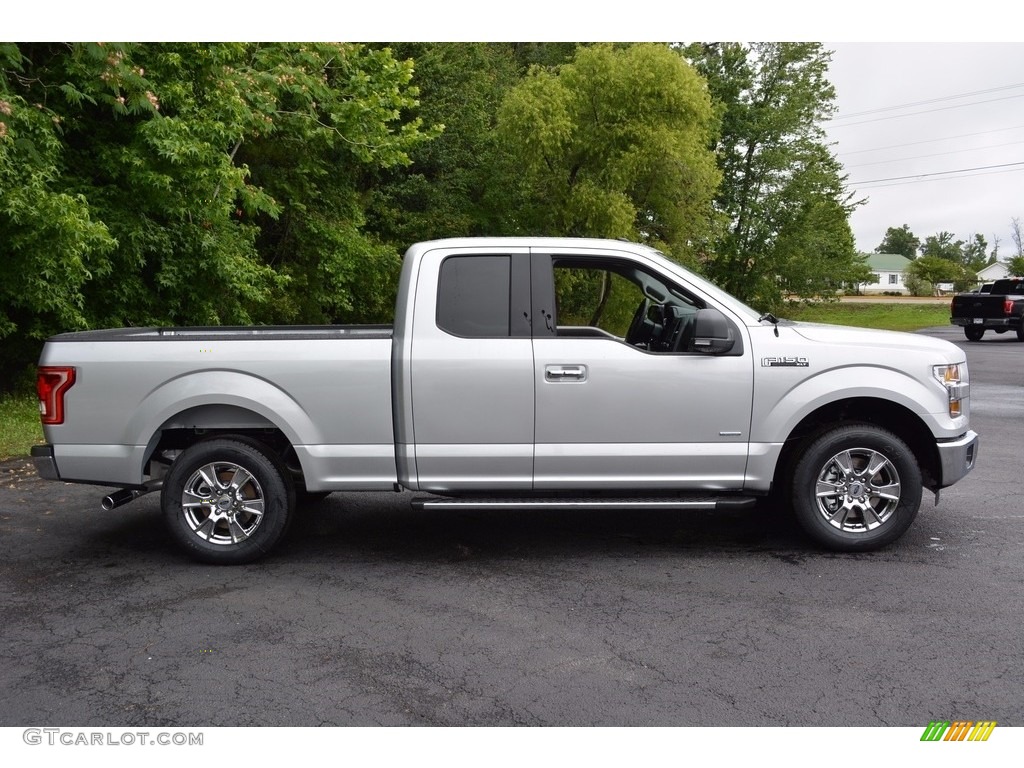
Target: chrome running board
x=681 y=501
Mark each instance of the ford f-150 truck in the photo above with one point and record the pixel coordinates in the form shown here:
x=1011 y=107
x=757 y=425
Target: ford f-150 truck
x=522 y=374
x=999 y=308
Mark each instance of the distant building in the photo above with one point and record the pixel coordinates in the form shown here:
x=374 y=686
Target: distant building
x=993 y=272
x=888 y=271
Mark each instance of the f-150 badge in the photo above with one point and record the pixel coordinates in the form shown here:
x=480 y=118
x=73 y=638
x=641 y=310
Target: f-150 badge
x=784 y=362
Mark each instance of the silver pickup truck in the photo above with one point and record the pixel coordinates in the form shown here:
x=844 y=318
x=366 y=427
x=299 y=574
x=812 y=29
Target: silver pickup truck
x=520 y=373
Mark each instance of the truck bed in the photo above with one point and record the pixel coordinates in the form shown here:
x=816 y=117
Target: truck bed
x=326 y=389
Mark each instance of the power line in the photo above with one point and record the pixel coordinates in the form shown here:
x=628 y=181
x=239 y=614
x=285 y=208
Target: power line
x=944 y=178
x=924 y=176
x=928 y=101
x=934 y=154
x=929 y=111
x=929 y=141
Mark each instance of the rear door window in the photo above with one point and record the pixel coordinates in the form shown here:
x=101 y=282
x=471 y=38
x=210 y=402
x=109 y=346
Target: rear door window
x=473 y=296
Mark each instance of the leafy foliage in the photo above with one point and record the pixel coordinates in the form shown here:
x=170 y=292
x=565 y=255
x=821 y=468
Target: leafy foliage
x=596 y=297
x=52 y=243
x=900 y=241
x=973 y=254
x=612 y=144
x=442 y=192
x=193 y=184
x=934 y=269
x=782 y=194
x=963 y=259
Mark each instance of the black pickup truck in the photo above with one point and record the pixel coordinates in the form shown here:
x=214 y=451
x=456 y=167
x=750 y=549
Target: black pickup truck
x=999 y=309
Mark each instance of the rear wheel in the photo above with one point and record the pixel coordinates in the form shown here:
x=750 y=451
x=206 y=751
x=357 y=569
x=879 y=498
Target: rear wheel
x=973 y=332
x=856 y=488
x=1020 y=330
x=228 y=500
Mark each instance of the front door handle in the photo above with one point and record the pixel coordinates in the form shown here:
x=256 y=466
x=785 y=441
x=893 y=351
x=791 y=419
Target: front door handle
x=565 y=372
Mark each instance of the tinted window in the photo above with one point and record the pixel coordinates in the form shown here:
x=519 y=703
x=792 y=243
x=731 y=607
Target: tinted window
x=473 y=295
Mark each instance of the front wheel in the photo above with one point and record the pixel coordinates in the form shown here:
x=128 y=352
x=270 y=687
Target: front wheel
x=973 y=332
x=856 y=488
x=227 y=501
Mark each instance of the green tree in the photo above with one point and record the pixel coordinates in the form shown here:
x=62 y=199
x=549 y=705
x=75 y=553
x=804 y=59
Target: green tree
x=52 y=243
x=933 y=270
x=899 y=240
x=1015 y=263
x=547 y=55
x=974 y=253
x=442 y=192
x=783 y=193
x=968 y=257
x=612 y=144
x=189 y=183
x=942 y=245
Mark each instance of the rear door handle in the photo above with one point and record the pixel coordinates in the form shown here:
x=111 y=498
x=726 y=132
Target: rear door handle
x=565 y=372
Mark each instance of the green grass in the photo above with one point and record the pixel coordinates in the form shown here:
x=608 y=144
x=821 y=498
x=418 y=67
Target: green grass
x=19 y=425
x=890 y=316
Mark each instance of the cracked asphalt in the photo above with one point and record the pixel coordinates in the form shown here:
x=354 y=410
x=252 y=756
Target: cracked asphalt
x=374 y=614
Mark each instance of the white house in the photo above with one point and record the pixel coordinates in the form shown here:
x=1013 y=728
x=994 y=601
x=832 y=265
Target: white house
x=993 y=272
x=888 y=271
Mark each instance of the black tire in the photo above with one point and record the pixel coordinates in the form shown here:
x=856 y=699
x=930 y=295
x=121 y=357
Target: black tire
x=1020 y=331
x=227 y=500
x=877 y=484
x=973 y=333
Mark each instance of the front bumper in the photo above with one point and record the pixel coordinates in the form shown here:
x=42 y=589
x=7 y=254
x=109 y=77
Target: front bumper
x=46 y=466
x=957 y=457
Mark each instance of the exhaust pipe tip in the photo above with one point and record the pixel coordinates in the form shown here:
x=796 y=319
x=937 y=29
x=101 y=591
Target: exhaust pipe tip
x=119 y=498
x=123 y=496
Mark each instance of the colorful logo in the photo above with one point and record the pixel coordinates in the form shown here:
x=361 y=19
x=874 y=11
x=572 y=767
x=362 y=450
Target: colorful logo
x=959 y=730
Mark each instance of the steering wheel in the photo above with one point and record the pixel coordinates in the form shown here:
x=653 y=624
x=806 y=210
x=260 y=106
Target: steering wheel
x=636 y=326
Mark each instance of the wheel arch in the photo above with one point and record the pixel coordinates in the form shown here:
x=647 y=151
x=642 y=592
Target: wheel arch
x=214 y=403
x=207 y=422
x=878 y=412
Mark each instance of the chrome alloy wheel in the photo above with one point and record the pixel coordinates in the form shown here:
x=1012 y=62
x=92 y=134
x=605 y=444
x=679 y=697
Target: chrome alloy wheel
x=857 y=490
x=222 y=503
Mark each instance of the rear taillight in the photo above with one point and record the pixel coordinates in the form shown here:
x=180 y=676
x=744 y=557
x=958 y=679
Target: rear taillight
x=1007 y=306
x=52 y=382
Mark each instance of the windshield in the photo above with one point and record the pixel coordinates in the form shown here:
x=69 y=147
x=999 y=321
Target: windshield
x=706 y=287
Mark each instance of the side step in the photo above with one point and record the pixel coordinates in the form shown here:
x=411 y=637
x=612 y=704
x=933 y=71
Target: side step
x=681 y=501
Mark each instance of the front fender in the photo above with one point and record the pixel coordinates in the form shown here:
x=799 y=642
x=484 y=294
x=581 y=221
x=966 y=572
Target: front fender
x=779 y=406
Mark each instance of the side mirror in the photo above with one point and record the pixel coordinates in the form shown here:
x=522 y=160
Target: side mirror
x=713 y=333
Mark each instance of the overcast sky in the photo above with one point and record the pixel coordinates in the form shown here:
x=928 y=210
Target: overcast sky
x=932 y=136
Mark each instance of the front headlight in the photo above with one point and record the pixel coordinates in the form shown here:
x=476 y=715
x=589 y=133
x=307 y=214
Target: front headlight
x=954 y=378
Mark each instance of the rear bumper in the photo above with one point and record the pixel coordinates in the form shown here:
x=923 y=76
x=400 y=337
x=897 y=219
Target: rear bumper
x=984 y=322
x=957 y=457
x=46 y=466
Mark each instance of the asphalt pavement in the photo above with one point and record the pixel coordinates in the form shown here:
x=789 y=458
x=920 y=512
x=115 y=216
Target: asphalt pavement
x=374 y=614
